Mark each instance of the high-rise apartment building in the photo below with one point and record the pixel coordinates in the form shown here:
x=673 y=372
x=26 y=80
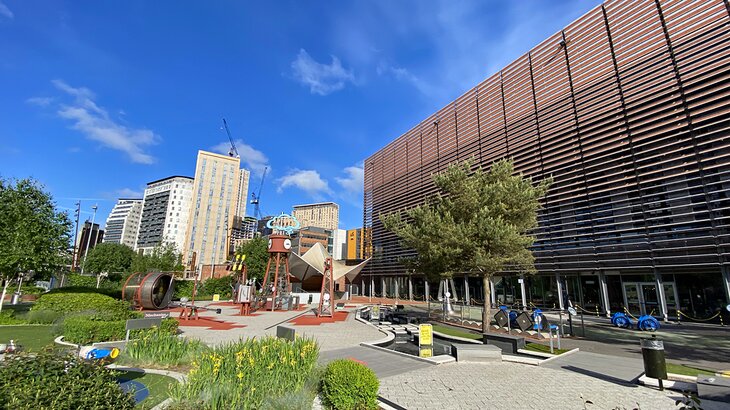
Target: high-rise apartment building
x=628 y=109
x=216 y=196
x=242 y=200
x=123 y=222
x=165 y=213
x=324 y=215
x=90 y=236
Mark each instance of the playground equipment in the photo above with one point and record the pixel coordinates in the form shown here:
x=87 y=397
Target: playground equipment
x=327 y=295
x=104 y=354
x=149 y=290
x=644 y=322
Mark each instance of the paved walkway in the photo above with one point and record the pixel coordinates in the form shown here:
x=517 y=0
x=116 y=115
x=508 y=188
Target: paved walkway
x=515 y=386
x=610 y=368
x=384 y=364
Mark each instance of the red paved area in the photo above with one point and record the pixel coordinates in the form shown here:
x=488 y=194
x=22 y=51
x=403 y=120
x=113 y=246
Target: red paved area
x=312 y=320
x=224 y=304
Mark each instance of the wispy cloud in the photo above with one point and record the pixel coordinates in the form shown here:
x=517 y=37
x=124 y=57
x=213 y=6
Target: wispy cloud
x=5 y=11
x=251 y=158
x=95 y=124
x=40 y=101
x=353 y=181
x=129 y=193
x=402 y=74
x=308 y=181
x=321 y=78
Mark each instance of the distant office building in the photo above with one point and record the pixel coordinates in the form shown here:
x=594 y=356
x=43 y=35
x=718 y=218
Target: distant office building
x=339 y=244
x=242 y=199
x=324 y=215
x=261 y=227
x=165 y=213
x=216 y=195
x=123 y=222
x=89 y=237
x=357 y=244
x=305 y=238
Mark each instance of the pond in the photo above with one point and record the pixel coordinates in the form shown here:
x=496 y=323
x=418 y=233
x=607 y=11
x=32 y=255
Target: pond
x=408 y=344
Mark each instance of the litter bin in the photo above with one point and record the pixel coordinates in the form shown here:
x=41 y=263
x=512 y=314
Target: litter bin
x=15 y=299
x=655 y=365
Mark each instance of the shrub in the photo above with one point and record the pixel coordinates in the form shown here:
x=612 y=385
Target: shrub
x=46 y=381
x=220 y=286
x=159 y=348
x=245 y=374
x=348 y=385
x=7 y=317
x=115 y=293
x=42 y=316
x=105 y=306
x=183 y=289
x=83 y=329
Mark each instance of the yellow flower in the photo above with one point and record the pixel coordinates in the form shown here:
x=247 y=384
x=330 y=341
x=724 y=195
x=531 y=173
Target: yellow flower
x=240 y=375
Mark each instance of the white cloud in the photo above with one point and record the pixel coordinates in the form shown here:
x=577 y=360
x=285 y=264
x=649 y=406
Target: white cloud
x=5 y=11
x=354 y=181
x=308 y=181
x=95 y=123
x=402 y=74
x=321 y=78
x=129 y=193
x=251 y=158
x=40 y=101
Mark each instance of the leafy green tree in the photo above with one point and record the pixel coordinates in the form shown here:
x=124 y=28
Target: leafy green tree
x=109 y=258
x=33 y=234
x=257 y=254
x=164 y=258
x=478 y=223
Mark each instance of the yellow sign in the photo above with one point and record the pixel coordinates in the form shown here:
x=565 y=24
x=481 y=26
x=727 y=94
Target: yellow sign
x=216 y=297
x=425 y=335
x=427 y=352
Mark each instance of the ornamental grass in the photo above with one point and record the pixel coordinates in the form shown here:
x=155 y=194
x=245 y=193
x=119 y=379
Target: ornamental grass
x=161 y=349
x=248 y=374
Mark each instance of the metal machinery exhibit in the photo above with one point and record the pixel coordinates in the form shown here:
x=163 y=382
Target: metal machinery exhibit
x=279 y=288
x=151 y=290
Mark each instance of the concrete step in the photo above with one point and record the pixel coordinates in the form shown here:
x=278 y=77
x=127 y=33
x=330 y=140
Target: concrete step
x=476 y=353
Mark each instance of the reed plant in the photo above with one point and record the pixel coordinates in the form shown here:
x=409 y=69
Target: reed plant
x=247 y=374
x=160 y=349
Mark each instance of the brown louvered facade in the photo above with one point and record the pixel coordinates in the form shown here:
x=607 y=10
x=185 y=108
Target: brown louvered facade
x=628 y=109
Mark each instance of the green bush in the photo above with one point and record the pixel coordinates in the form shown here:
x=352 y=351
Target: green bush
x=246 y=374
x=7 y=317
x=348 y=385
x=83 y=329
x=183 y=289
x=220 y=286
x=47 y=381
x=115 y=293
x=42 y=316
x=104 y=306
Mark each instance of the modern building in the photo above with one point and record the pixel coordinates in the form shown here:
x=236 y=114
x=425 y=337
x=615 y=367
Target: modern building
x=356 y=248
x=628 y=109
x=123 y=222
x=324 y=215
x=90 y=236
x=304 y=239
x=339 y=244
x=165 y=213
x=242 y=199
x=216 y=196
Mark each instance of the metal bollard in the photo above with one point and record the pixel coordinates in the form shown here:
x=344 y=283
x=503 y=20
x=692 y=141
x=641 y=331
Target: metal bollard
x=550 y=329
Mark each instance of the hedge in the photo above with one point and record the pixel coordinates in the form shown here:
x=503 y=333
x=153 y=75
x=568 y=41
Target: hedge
x=348 y=385
x=114 y=293
x=85 y=329
x=105 y=307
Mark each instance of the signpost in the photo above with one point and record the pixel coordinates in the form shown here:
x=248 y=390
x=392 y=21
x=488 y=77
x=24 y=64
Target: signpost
x=146 y=323
x=425 y=334
x=374 y=313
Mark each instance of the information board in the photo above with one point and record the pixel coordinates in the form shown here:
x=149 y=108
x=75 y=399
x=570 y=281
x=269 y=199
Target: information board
x=425 y=334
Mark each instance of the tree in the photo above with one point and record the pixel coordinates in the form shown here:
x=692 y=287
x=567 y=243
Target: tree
x=34 y=236
x=109 y=258
x=164 y=258
x=257 y=255
x=478 y=223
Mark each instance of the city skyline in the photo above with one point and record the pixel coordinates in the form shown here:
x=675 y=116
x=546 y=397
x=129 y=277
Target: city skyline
x=95 y=114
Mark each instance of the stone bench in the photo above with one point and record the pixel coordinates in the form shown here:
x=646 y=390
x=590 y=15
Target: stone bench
x=466 y=352
x=713 y=388
x=508 y=343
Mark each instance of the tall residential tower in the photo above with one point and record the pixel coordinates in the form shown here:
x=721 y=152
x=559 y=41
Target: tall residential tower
x=123 y=222
x=165 y=213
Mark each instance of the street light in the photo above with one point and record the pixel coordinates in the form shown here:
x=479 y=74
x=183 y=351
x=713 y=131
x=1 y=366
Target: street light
x=88 y=239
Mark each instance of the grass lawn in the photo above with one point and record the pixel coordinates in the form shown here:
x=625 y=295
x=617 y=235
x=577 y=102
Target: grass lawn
x=456 y=332
x=687 y=370
x=538 y=347
x=158 y=385
x=33 y=338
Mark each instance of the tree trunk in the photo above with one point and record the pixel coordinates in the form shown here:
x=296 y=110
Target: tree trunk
x=5 y=292
x=487 y=311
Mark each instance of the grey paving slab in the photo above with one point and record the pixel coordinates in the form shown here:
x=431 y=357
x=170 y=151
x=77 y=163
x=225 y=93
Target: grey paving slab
x=384 y=364
x=610 y=368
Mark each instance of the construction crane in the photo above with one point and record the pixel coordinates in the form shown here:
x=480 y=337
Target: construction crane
x=233 y=151
x=255 y=198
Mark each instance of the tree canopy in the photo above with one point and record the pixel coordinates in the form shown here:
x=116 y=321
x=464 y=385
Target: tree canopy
x=164 y=258
x=478 y=223
x=109 y=257
x=34 y=235
x=257 y=254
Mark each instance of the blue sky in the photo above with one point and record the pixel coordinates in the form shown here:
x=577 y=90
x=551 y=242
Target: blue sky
x=97 y=98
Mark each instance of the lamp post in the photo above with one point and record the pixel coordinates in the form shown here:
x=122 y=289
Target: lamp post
x=88 y=239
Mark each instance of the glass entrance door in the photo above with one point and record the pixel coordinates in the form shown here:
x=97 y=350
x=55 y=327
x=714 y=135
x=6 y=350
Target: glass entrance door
x=650 y=299
x=632 y=298
x=642 y=298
